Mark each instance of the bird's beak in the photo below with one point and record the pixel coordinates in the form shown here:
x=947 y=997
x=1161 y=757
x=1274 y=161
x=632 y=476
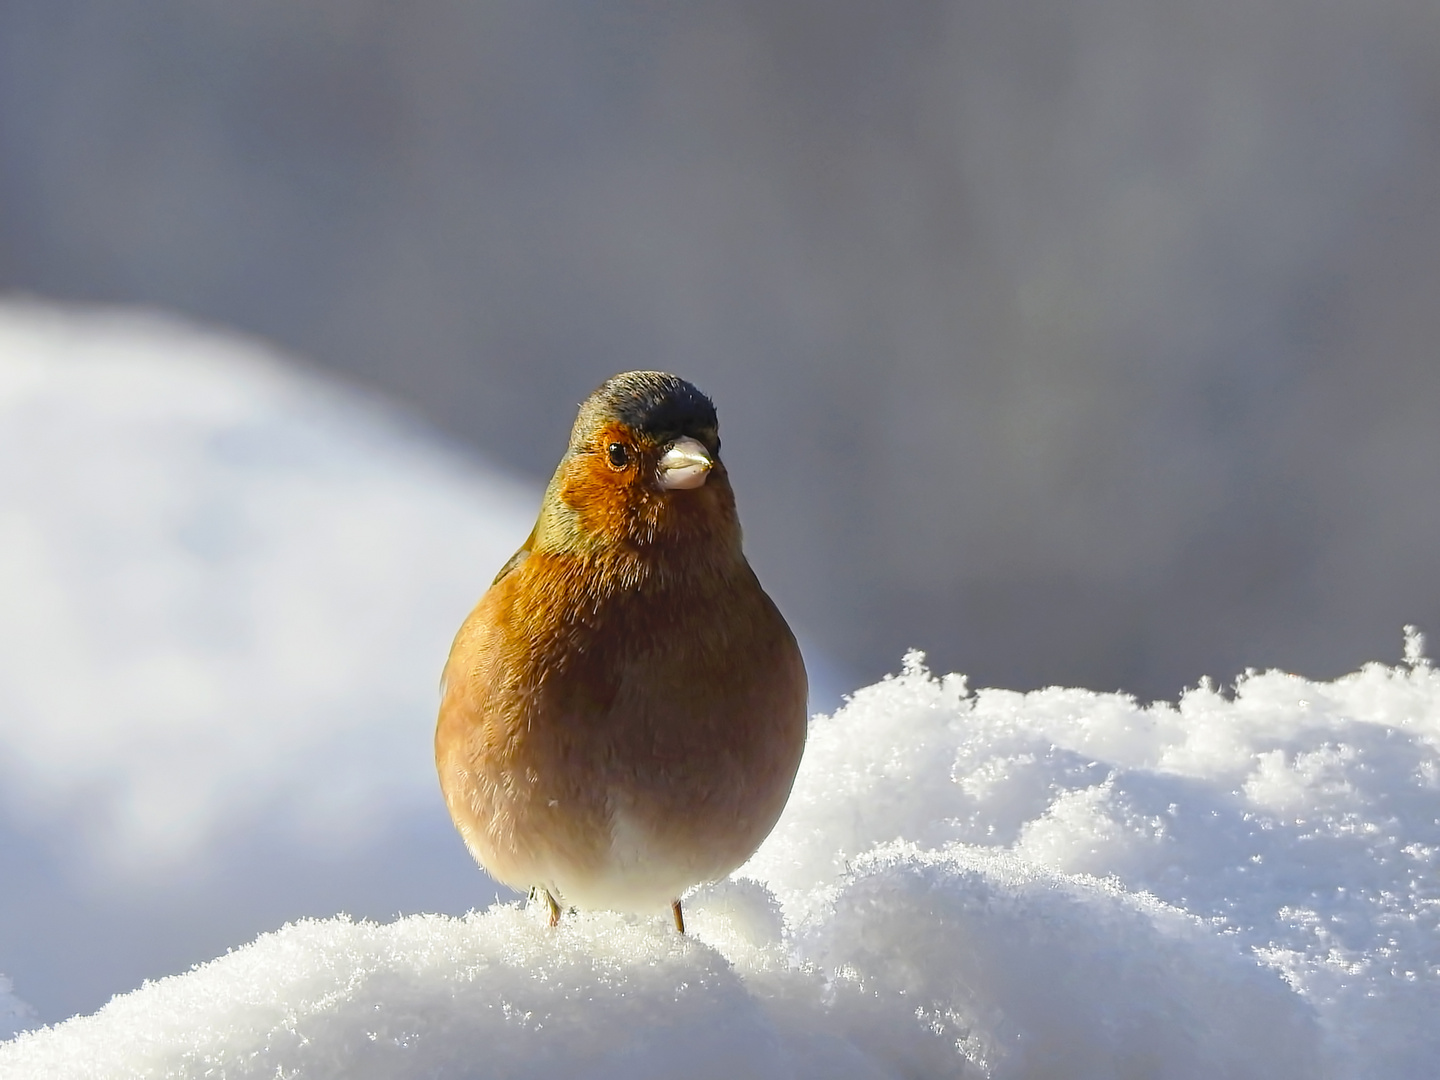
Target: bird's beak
x=685 y=465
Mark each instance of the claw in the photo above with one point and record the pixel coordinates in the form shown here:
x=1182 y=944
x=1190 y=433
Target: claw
x=679 y=917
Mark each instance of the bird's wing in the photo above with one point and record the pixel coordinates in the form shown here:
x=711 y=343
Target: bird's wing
x=516 y=559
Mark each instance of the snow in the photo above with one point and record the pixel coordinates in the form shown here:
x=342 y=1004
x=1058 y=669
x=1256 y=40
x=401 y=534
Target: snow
x=989 y=884
x=1296 y=821
x=224 y=582
x=228 y=588
x=189 y=537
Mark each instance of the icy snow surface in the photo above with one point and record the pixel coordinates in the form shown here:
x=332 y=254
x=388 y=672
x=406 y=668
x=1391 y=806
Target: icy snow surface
x=1060 y=884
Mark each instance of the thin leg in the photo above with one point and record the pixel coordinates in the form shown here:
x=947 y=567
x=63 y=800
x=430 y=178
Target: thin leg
x=539 y=891
x=679 y=917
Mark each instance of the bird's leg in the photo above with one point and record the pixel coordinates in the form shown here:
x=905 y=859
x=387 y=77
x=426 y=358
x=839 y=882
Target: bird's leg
x=679 y=917
x=538 y=891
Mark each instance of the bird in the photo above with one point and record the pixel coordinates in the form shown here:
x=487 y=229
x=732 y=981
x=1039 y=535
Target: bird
x=623 y=713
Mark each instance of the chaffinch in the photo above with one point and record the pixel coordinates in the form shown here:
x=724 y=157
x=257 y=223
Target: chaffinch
x=623 y=713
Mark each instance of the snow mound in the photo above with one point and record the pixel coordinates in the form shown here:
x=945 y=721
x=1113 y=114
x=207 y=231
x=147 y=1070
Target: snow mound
x=224 y=582
x=219 y=571
x=1059 y=884
x=890 y=992
x=1298 y=821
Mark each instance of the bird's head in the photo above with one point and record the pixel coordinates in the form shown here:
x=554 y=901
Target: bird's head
x=643 y=473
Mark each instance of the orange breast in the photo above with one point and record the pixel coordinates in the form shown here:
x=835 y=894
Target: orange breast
x=619 y=745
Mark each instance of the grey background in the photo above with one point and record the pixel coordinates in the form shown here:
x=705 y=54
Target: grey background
x=1085 y=343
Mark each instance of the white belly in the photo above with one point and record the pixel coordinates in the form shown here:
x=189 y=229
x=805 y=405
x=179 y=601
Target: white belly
x=637 y=873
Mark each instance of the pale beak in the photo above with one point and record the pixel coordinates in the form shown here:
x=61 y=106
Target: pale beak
x=685 y=465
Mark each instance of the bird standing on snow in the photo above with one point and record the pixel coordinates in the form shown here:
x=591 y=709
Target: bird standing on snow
x=623 y=713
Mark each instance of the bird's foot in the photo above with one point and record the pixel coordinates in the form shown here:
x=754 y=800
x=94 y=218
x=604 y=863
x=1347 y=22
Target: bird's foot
x=679 y=916
x=540 y=892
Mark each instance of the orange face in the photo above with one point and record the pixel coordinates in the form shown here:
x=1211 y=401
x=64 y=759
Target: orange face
x=630 y=489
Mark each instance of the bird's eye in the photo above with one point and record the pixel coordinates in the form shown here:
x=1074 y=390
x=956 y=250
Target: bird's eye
x=619 y=455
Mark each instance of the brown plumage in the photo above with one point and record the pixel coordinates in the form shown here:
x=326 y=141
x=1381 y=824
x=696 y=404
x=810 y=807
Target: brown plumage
x=624 y=711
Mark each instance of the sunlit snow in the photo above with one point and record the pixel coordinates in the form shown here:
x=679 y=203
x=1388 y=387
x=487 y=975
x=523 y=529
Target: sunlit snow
x=190 y=533
x=227 y=587
x=1056 y=885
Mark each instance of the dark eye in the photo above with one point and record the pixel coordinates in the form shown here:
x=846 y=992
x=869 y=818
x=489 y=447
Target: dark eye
x=619 y=454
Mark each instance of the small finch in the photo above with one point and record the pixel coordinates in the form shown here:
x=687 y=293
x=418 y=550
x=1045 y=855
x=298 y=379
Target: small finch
x=623 y=713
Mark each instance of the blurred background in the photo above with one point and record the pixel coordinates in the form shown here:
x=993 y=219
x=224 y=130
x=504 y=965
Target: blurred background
x=1087 y=343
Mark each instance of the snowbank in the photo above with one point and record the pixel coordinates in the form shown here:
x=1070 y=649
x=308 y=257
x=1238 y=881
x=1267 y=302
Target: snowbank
x=1297 y=823
x=218 y=571
x=228 y=586
x=1059 y=884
